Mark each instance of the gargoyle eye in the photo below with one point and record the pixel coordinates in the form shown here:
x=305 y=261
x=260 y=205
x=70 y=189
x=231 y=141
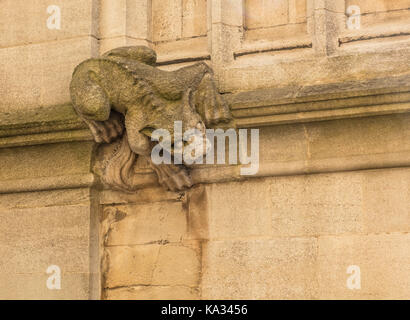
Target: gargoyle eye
x=147 y=131
x=200 y=126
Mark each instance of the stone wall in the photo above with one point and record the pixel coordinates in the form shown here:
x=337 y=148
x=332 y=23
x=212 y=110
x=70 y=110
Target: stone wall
x=332 y=104
x=284 y=237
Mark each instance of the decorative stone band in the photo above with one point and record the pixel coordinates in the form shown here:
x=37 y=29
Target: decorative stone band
x=47 y=183
x=264 y=107
x=215 y=174
x=259 y=108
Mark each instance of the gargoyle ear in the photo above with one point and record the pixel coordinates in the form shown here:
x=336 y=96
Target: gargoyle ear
x=211 y=106
x=139 y=53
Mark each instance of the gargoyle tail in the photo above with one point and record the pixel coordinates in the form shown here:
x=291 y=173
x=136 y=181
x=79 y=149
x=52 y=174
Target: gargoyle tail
x=118 y=171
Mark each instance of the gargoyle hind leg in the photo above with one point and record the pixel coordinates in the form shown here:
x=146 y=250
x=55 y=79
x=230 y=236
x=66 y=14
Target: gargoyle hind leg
x=93 y=106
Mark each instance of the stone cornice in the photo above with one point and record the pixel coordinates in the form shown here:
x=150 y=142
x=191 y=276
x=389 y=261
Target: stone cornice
x=266 y=107
x=47 y=183
x=263 y=107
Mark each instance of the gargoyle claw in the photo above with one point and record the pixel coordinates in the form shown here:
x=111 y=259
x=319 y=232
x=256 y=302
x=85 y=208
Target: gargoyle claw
x=173 y=177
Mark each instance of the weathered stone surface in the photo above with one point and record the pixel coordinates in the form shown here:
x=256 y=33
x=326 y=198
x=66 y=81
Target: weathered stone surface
x=152 y=293
x=260 y=269
x=51 y=65
x=33 y=286
x=45 y=198
x=178 y=266
x=259 y=14
x=344 y=203
x=46 y=160
x=157 y=265
x=130 y=265
x=148 y=223
x=231 y=215
x=384 y=262
x=372 y=6
x=166 y=20
x=124 y=23
x=25 y=22
x=33 y=239
x=194 y=18
x=45 y=236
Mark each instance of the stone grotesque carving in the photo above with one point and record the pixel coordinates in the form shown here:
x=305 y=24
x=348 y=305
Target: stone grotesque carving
x=122 y=95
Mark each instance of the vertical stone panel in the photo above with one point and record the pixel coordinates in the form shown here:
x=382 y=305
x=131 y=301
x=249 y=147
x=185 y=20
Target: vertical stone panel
x=384 y=262
x=194 y=18
x=167 y=19
x=263 y=14
x=34 y=238
x=260 y=269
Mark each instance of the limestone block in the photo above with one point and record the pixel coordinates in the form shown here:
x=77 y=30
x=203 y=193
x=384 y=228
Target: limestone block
x=45 y=236
x=282 y=143
x=166 y=20
x=25 y=22
x=341 y=203
x=263 y=14
x=50 y=64
x=260 y=269
x=194 y=18
x=139 y=19
x=152 y=293
x=370 y=6
x=130 y=265
x=148 y=223
x=157 y=265
x=353 y=137
x=315 y=205
x=386 y=200
x=119 y=18
x=383 y=261
x=278 y=33
x=335 y=6
x=268 y=71
x=45 y=160
x=45 y=198
x=196 y=47
x=239 y=209
x=228 y=12
x=113 y=18
x=33 y=239
x=26 y=286
x=178 y=266
x=297 y=11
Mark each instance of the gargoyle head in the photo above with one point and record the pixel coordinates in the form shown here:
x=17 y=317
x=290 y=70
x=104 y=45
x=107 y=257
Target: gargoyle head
x=181 y=124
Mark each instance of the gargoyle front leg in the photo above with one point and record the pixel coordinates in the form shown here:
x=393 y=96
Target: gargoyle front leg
x=172 y=177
